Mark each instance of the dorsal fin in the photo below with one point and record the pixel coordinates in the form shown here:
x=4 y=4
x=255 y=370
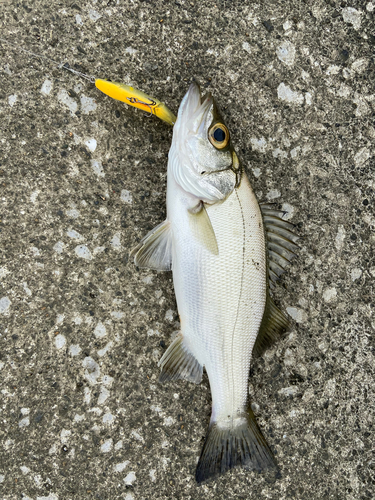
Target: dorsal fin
x=281 y=241
x=155 y=249
x=179 y=363
x=274 y=324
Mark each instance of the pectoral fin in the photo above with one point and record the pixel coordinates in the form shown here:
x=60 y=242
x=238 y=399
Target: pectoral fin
x=202 y=229
x=155 y=249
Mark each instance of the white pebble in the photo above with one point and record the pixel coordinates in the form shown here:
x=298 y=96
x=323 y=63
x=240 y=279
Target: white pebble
x=126 y=196
x=24 y=422
x=91 y=144
x=118 y=445
x=46 y=87
x=258 y=144
x=130 y=478
x=74 y=350
x=108 y=418
x=4 y=305
x=168 y=421
x=285 y=93
x=74 y=234
x=121 y=467
x=329 y=294
x=106 y=446
x=92 y=371
x=60 y=341
x=246 y=47
x=340 y=237
x=34 y=196
x=65 y=435
x=64 y=98
x=299 y=315
x=116 y=242
x=87 y=395
x=352 y=16
x=94 y=15
x=279 y=153
x=103 y=352
x=103 y=396
x=361 y=157
x=100 y=330
x=288 y=391
x=289 y=209
x=273 y=194
x=59 y=247
x=83 y=252
x=97 y=168
x=356 y=273
x=117 y=314
x=286 y=52
x=169 y=315
x=73 y=213
x=88 y=104
x=12 y=100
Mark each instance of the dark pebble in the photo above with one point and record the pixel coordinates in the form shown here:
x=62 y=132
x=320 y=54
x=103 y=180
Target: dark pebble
x=344 y=55
x=38 y=417
x=268 y=25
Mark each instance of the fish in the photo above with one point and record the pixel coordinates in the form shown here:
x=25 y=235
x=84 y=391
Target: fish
x=225 y=251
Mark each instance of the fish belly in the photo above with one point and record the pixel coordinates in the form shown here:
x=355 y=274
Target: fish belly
x=221 y=298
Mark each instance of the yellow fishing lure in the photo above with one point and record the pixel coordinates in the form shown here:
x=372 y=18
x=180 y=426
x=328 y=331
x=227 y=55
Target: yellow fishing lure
x=136 y=98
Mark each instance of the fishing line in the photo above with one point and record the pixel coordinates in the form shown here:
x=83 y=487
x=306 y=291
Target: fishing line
x=66 y=66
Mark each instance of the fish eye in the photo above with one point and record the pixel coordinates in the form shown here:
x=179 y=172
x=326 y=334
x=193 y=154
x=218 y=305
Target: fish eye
x=219 y=135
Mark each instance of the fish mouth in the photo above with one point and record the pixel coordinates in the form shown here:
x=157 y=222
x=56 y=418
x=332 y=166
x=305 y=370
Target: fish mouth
x=195 y=113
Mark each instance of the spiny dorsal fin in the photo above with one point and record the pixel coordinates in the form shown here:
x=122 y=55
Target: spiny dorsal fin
x=281 y=241
x=274 y=323
x=202 y=229
x=155 y=249
x=179 y=363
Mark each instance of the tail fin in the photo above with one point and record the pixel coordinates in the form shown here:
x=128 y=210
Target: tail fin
x=240 y=445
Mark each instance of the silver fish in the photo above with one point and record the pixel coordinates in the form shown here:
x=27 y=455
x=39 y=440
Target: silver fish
x=224 y=250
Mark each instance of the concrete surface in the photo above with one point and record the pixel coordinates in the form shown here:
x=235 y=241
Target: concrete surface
x=83 y=177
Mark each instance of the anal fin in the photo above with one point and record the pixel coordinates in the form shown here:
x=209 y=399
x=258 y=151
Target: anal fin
x=179 y=363
x=155 y=249
x=274 y=324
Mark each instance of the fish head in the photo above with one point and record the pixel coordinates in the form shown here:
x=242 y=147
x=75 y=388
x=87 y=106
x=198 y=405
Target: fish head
x=202 y=158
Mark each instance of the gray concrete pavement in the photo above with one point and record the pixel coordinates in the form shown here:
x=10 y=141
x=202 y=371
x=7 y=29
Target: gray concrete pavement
x=83 y=178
